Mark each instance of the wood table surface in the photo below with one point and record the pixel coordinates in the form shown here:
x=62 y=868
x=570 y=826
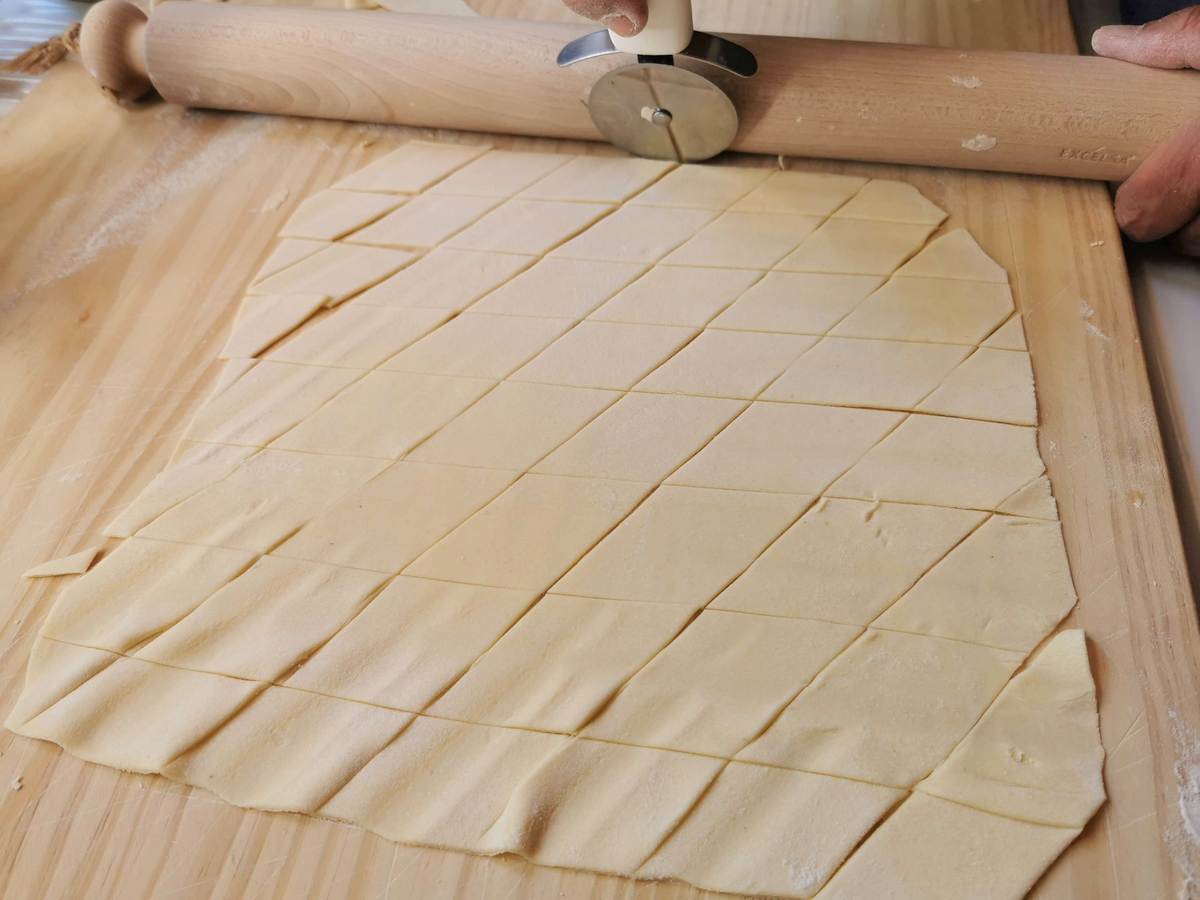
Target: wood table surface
x=125 y=240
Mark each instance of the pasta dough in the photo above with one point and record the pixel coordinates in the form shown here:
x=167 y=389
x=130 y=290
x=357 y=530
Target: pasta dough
x=676 y=522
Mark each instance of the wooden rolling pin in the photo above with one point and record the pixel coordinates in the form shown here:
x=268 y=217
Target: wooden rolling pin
x=1079 y=117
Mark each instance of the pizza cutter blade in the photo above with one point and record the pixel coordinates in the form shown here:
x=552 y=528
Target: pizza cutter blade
x=663 y=112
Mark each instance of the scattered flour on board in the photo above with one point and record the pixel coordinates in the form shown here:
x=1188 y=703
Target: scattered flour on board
x=1088 y=313
x=186 y=160
x=979 y=143
x=1183 y=841
x=970 y=82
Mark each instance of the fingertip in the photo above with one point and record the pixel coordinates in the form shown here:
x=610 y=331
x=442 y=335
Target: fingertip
x=1131 y=214
x=1109 y=40
x=621 y=24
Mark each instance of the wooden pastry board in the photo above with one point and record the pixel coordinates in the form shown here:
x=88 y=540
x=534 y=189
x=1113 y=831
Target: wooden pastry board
x=126 y=239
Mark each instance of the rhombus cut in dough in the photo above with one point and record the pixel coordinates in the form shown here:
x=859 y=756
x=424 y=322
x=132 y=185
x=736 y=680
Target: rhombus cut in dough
x=720 y=682
x=598 y=806
x=566 y=288
x=140 y=589
x=442 y=783
x=676 y=295
x=815 y=569
x=641 y=437
x=715 y=572
x=586 y=648
x=288 y=750
x=265 y=621
x=682 y=545
x=887 y=710
x=446 y=279
x=762 y=830
x=74 y=564
x=413 y=641
x=392 y=519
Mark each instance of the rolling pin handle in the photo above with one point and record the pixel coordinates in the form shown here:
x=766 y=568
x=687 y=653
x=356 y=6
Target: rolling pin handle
x=112 y=42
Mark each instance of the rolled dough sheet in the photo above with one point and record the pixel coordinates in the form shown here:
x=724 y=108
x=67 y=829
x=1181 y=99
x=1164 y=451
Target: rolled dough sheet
x=678 y=522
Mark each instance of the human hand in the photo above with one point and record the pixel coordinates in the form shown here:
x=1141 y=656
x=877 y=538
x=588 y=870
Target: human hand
x=625 y=17
x=1162 y=197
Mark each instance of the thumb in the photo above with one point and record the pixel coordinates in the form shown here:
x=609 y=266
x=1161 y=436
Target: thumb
x=625 y=17
x=1172 y=42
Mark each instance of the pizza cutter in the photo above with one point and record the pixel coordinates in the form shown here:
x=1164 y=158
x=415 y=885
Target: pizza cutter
x=653 y=107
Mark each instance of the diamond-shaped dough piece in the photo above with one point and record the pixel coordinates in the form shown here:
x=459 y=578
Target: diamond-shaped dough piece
x=288 y=750
x=358 y=336
x=1007 y=585
x=642 y=234
x=266 y=620
x=411 y=168
x=339 y=271
x=140 y=589
x=930 y=849
x=478 y=345
x=262 y=501
x=854 y=372
x=561 y=662
x=532 y=533
x=1035 y=754
x=501 y=173
x=847 y=560
x=137 y=716
x=809 y=193
x=786 y=447
x=54 y=670
x=720 y=682
x=1009 y=336
x=745 y=240
x=266 y=402
x=709 y=187
x=887 y=710
x=329 y=215
x=440 y=783
x=264 y=319
x=603 y=807
x=612 y=355
x=857 y=247
x=676 y=295
x=411 y=642
x=514 y=426
x=1034 y=501
x=563 y=288
x=642 y=437
x=891 y=201
x=797 y=302
x=955 y=255
x=74 y=564
x=286 y=252
x=929 y=309
x=946 y=462
x=528 y=226
x=424 y=221
x=767 y=831
x=384 y=415
x=737 y=364
x=446 y=279
x=992 y=384
x=598 y=179
x=195 y=467
x=682 y=545
x=394 y=518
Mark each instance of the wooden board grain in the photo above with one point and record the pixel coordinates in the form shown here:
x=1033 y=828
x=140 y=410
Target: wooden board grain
x=124 y=243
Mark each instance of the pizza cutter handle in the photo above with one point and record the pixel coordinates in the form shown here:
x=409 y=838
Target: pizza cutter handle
x=668 y=30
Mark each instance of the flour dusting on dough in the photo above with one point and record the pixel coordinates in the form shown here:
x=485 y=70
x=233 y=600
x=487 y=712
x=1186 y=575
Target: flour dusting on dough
x=1183 y=841
x=970 y=82
x=979 y=143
